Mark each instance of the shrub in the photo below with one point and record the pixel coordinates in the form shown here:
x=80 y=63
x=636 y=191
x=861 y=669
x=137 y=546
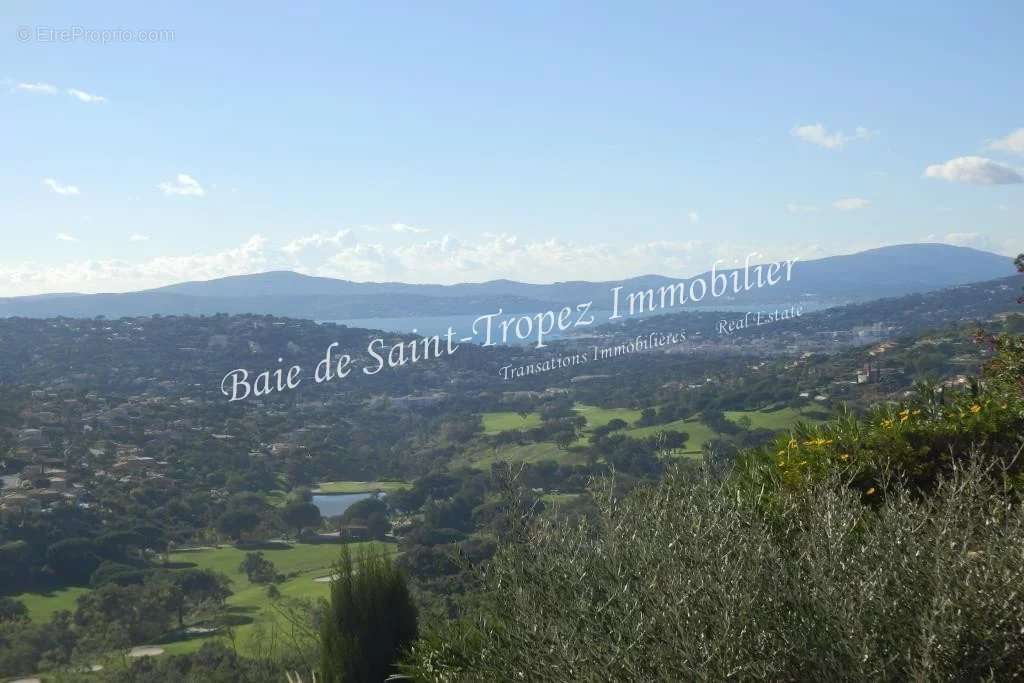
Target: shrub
x=699 y=580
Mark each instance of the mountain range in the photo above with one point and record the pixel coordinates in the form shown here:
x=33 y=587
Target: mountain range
x=862 y=276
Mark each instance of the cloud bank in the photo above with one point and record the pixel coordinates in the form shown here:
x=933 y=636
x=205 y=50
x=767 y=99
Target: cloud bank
x=974 y=171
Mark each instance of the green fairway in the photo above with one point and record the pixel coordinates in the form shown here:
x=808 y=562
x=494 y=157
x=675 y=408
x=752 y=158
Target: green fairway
x=361 y=486
x=301 y=563
x=250 y=601
x=784 y=418
x=599 y=417
x=482 y=458
x=504 y=421
x=699 y=433
x=41 y=606
x=596 y=417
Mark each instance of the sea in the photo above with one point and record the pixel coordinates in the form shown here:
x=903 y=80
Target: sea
x=463 y=324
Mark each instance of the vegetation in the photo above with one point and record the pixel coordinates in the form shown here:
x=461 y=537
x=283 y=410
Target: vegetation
x=690 y=581
x=148 y=512
x=361 y=486
x=370 y=621
x=883 y=547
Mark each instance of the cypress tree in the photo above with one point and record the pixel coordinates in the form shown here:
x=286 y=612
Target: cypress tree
x=371 y=619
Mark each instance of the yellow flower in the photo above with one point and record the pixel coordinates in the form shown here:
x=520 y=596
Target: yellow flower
x=844 y=457
x=871 y=491
x=887 y=423
x=975 y=409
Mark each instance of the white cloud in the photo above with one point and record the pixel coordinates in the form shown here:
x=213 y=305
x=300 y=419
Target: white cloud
x=977 y=240
x=64 y=237
x=41 y=88
x=316 y=241
x=65 y=190
x=967 y=239
x=694 y=217
x=450 y=259
x=116 y=275
x=136 y=237
x=183 y=186
x=403 y=228
x=83 y=96
x=975 y=171
x=816 y=134
x=800 y=208
x=851 y=203
x=444 y=260
x=1014 y=142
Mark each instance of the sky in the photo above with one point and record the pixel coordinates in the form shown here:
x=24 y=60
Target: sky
x=151 y=143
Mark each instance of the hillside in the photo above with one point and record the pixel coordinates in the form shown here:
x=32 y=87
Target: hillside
x=876 y=273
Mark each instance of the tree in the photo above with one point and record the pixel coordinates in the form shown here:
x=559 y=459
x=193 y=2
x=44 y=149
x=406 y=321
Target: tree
x=1019 y=262
x=565 y=438
x=370 y=621
x=648 y=416
x=300 y=516
x=73 y=559
x=361 y=510
x=119 y=544
x=12 y=610
x=616 y=424
x=136 y=613
x=258 y=568
x=377 y=525
x=237 y=522
x=556 y=410
x=17 y=561
x=197 y=588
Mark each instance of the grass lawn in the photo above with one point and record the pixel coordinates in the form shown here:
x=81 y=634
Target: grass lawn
x=249 y=601
x=41 y=606
x=780 y=419
x=559 y=498
x=361 y=486
x=599 y=417
x=596 y=417
x=506 y=420
x=699 y=433
x=482 y=458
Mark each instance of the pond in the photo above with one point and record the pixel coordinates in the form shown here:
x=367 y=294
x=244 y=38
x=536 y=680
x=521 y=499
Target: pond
x=334 y=504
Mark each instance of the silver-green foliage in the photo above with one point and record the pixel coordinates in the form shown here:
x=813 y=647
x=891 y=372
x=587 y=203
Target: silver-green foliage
x=696 y=580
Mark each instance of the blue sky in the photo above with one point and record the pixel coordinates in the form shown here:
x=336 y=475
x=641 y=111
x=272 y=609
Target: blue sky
x=468 y=141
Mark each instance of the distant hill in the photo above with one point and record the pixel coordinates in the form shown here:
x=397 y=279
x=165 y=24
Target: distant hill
x=873 y=274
